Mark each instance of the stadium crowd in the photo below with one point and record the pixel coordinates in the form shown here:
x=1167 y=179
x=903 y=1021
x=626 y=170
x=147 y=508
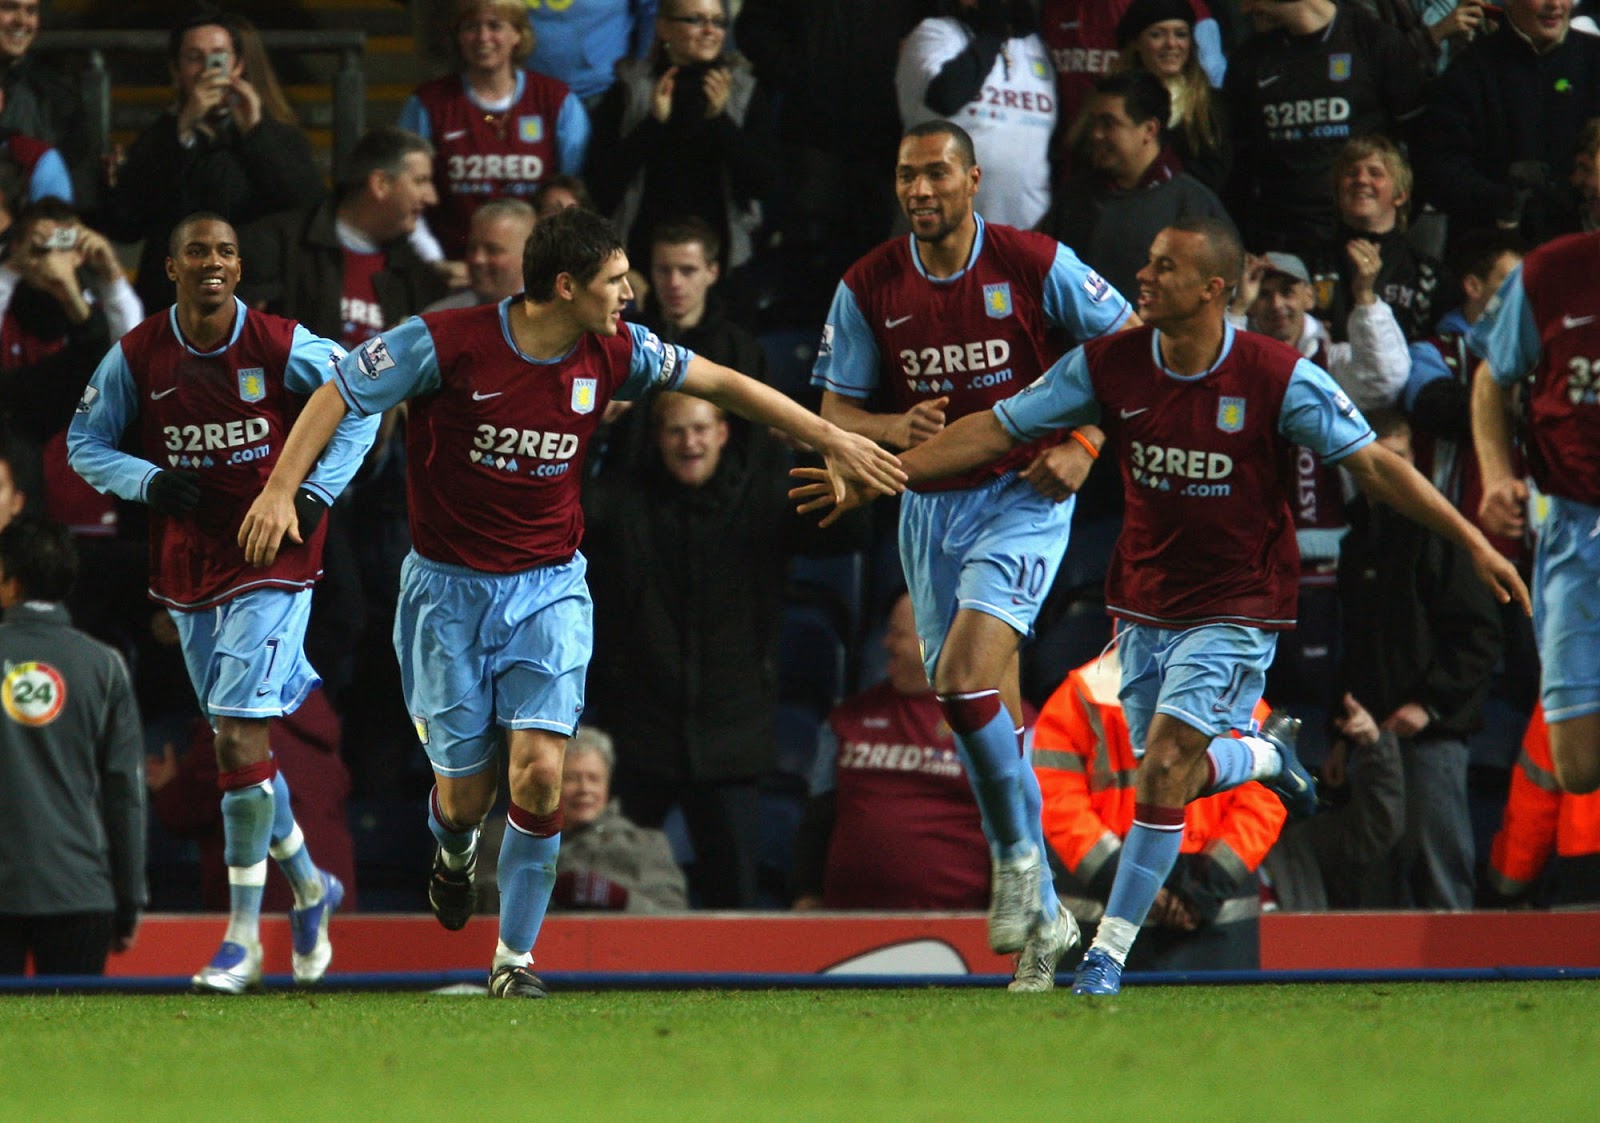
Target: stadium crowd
x=1414 y=183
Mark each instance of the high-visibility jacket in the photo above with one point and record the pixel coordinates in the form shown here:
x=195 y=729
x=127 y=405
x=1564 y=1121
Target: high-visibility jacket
x=1085 y=763
x=1540 y=820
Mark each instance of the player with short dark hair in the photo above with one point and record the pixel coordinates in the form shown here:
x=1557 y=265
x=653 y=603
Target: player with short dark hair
x=951 y=320
x=1202 y=420
x=493 y=630
x=213 y=388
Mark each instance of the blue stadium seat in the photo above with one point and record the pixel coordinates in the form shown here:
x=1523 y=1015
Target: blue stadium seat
x=790 y=353
x=393 y=851
x=841 y=578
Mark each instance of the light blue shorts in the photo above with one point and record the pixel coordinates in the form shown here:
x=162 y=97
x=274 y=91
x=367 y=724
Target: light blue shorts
x=480 y=652
x=1210 y=677
x=993 y=548
x=247 y=657
x=1566 y=609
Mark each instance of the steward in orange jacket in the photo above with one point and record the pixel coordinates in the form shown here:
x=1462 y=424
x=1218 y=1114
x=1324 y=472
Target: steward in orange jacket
x=1541 y=819
x=1085 y=764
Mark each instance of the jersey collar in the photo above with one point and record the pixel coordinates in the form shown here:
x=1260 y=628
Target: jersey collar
x=240 y=311
x=977 y=248
x=1155 y=355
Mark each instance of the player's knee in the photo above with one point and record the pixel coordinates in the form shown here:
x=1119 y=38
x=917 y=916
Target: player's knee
x=240 y=744
x=1164 y=772
x=536 y=783
x=463 y=810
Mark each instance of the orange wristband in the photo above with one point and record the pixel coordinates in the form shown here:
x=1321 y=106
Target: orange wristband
x=1094 y=453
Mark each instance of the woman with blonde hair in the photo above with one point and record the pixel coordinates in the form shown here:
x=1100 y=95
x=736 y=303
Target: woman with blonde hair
x=497 y=130
x=1158 y=36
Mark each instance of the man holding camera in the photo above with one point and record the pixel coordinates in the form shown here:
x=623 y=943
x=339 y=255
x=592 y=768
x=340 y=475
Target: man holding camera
x=216 y=149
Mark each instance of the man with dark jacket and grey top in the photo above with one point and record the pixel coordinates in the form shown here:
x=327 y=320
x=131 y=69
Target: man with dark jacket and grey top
x=72 y=880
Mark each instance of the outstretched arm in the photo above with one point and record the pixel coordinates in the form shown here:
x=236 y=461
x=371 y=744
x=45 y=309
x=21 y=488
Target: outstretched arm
x=1388 y=479
x=897 y=430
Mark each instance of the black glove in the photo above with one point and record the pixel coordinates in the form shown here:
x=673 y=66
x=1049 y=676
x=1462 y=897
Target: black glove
x=172 y=492
x=990 y=16
x=309 y=509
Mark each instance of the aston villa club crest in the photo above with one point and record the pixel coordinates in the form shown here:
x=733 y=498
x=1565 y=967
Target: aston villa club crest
x=997 y=300
x=530 y=130
x=252 y=384
x=1230 y=414
x=583 y=394
x=1339 y=68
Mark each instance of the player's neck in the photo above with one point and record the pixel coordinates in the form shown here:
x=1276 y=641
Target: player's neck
x=206 y=330
x=1192 y=346
x=542 y=332
x=950 y=254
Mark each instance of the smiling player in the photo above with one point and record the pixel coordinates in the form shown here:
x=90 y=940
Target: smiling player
x=214 y=388
x=952 y=319
x=494 y=625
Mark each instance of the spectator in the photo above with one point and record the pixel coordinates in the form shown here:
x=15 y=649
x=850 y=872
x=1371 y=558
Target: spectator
x=71 y=793
x=1585 y=180
x=684 y=305
x=1205 y=913
x=1083 y=38
x=985 y=68
x=607 y=861
x=1313 y=76
x=498 y=231
x=584 y=44
x=1372 y=189
x=343 y=266
x=39 y=101
x=830 y=65
x=1548 y=844
x=891 y=823
x=305 y=745
x=1438 y=394
x=63 y=302
x=1503 y=120
x=43 y=172
x=1159 y=36
x=1339 y=858
x=1420 y=639
x=12 y=497
x=1110 y=211
x=686 y=131
x=560 y=192
x=1275 y=297
x=688 y=550
x=497 y=130
x=227 y=147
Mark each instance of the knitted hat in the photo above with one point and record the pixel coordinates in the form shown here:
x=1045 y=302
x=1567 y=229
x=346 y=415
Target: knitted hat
x=1142 y=13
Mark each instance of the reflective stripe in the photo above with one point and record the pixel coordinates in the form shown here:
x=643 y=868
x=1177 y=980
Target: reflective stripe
x=1108 y=847
x=1542 y=779
x=1060 y=761
x=1228 y=859
x=1233 y=910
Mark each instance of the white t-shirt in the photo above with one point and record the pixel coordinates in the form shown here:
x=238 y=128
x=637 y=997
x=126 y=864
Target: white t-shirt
x=1010 y=120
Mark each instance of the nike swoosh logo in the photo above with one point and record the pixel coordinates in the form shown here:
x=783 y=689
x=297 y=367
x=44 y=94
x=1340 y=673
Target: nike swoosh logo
x=479 y=397
x=1127 y=413
x=157 y=395
x=454 y=134
x=896 y=323
x=1263 y=83
x=263 y=693
x=1571 y=322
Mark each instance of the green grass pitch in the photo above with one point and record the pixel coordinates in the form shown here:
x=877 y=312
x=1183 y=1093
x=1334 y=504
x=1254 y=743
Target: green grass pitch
x=1311 y=1052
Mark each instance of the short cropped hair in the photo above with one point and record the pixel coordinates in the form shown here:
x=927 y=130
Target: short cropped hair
x=1224 y=256
x=40 y=556
x=938 y=127
x=574 y=241
x=383 y=149
x=1144 y=96
x=1476 y=251
x=180 y=232
x=518 y=209
x=684 y=230
x=205 y=17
